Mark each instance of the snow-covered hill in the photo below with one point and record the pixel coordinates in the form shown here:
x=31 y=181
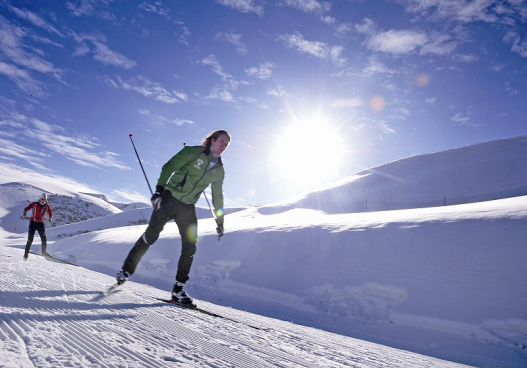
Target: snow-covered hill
x=480 y=172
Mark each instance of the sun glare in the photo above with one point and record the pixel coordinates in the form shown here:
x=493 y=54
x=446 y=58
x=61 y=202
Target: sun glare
x=309 y=154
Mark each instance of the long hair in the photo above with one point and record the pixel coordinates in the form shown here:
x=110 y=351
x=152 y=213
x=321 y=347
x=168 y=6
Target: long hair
x=214 y=135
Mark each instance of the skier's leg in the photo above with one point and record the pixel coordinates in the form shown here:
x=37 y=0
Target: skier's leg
x=43 y=237
x=159 y=218
x=26 y=251
x=187 y=223
x=30 y=236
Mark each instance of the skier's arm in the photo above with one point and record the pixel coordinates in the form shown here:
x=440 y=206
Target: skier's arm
x=217 y=200
x=50 y=213
x=174 y=164
x=30 y=206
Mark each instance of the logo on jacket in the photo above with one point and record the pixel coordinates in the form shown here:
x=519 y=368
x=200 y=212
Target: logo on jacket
x=198 y=164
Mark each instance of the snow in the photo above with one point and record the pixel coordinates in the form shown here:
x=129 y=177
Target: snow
x=481 y=172
x=54 y=316
x=436 y=286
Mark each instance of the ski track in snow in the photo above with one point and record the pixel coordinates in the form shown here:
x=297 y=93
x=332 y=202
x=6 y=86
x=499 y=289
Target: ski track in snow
x=53 y=315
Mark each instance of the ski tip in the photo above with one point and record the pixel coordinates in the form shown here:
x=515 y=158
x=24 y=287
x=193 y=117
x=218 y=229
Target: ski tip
x=110 y=289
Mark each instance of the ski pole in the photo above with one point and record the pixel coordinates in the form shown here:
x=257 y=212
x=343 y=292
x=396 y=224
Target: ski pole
x=148 y=183
x=212 y=212
x=18 y=223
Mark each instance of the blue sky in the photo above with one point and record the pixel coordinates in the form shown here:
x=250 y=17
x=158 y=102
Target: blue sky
x=311 y=91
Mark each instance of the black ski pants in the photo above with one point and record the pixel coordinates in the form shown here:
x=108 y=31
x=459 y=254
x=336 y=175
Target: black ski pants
x=187 y=222
x=41 y=229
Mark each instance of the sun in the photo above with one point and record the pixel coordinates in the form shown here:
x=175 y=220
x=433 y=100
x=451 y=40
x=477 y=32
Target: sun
x=309 y=153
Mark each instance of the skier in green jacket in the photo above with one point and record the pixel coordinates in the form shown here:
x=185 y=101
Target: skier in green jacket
x=182 y=180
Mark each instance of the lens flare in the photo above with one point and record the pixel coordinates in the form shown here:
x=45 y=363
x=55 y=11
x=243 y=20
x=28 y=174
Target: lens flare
x=377 y=103
x=220 y=212
x=422 y=80
x=192 y=232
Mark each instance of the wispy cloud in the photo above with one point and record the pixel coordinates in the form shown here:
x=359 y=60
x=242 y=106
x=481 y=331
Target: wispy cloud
x=460 y=118
x=386 y=129
x=90 y=8
x=346 y=103
x=35 y=20
x=264 y=71
x=44 y=139
x=22 y=79
x=18 y=61
x=155 y=7
x=12 y=150
x=397 y=42
x=317 y=49
x=96 y=45
x=234 y=39
x=407 y=41
x=467 y=10
x=465 y=58
x=519 y=46
x=511 y=14
x=244 y=6
x=218 y=94
x=133 y=196
x=373 y=67
x=278 y=92
x=320 y=8
x=430 y=100
x=222 y=91
x=216 y=67
x=185 y=34
x=176 y=121
x=309 y=6
x=142 y=85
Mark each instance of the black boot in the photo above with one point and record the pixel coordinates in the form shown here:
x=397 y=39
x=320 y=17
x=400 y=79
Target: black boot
x=44 y=247
x=122 y=276
x=26 y=252
x=179 y=295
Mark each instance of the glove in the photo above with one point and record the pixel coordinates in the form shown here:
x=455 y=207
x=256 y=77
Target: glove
x=156 y=197
x=24 y=215
x=220 y=230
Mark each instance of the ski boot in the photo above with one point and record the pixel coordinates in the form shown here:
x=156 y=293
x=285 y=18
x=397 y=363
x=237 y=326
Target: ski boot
x=180 y=295
x=122 y=276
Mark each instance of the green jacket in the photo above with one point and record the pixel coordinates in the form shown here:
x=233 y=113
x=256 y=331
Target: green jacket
x=187 y=175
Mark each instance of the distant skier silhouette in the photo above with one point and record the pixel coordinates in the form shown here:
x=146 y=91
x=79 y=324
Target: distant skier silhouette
x=36 y=222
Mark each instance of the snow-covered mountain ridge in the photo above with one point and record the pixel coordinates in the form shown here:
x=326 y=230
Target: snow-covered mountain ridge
x=479 y=172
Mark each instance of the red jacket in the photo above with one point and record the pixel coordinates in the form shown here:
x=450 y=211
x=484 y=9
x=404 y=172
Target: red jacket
x=39 y=211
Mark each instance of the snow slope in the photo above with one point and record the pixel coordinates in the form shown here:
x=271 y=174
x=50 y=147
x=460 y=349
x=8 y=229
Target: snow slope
x=475 y=173
x=447 y=282
x=53 y=315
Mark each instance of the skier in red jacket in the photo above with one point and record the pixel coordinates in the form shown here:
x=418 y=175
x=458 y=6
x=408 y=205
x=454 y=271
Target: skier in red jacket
x=36 y=222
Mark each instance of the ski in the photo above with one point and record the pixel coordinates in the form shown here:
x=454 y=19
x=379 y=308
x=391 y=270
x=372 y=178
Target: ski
x=195 y=308
x=48 y=256
x=111 y=289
